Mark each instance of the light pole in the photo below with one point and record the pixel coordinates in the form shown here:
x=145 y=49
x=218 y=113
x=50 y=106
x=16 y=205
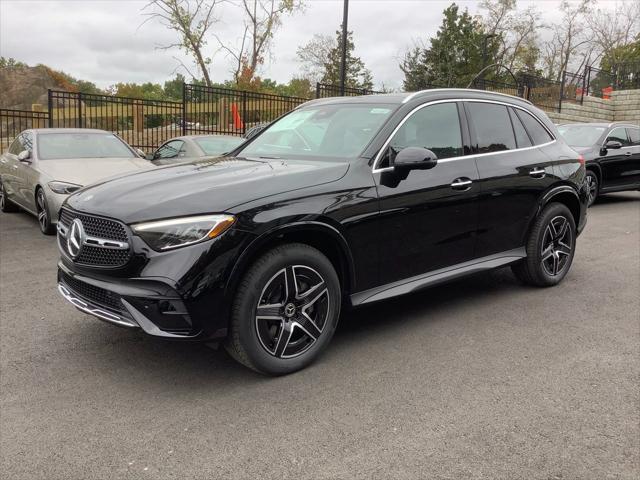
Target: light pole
x=343 y=63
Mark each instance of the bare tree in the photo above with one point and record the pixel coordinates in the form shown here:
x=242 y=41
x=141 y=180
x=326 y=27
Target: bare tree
x=192 y=20
x=262 y=19
x=314 y=55
x=570 y=40
x=613 y=29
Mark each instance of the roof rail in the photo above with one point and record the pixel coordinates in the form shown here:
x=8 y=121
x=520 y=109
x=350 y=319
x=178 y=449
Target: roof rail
x=415 y=94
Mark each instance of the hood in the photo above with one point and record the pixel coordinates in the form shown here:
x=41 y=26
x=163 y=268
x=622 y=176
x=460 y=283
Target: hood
x=85 y=171
x=203 y=186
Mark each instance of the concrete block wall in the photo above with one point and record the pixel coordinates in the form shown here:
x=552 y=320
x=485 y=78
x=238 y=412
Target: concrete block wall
x=623 y=105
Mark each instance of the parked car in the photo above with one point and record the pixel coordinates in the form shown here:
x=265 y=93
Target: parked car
x=341 y=202
x=612 y=154
x=188 y=147
x=43 y=166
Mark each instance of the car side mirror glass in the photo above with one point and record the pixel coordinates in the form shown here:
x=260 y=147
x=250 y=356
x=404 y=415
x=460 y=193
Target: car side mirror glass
x=141 y=153
x=612 y=145
x=415 y=158
x=25 y=156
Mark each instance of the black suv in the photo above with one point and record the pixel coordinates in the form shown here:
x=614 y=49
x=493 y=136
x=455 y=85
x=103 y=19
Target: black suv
x=611 y=152
x=341 y=202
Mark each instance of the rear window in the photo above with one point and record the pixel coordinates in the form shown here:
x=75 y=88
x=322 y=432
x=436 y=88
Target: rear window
x=52 y=146
x=537 y=132
x=634 y=135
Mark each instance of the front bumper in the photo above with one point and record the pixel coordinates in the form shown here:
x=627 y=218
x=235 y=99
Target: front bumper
x=149 y=305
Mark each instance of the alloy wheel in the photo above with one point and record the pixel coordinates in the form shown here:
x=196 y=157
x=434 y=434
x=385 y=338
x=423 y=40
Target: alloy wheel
x=557 y=245
x=592 y=189
x=43 y=219
x=292 y=311
x=2 y=196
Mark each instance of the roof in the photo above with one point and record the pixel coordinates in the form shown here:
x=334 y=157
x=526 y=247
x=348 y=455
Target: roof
x=602 y=124
x=405 y=97
x=67 y=130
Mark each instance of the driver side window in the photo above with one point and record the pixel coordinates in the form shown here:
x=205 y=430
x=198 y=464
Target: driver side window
x=436 y=127
x=619 y=135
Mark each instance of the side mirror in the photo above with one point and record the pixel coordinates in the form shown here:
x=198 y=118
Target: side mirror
x=141 y=153
x=25 y=156
x=415 y=158
x=612 y=145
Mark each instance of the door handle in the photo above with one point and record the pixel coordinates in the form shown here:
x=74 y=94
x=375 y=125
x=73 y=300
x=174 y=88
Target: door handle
x=538 y=172
x=15 y=167
x=462 y=183
x=627 y=154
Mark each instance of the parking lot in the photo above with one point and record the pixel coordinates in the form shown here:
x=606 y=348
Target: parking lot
x=481 y=378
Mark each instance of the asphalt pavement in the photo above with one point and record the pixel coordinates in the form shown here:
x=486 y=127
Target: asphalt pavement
x=480 y=378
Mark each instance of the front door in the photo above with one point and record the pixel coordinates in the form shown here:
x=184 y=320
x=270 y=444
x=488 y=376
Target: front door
x=428 y=218
x=617 y=163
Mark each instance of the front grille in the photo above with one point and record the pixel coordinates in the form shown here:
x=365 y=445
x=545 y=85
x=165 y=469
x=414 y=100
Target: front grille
x=96 y=226
x=101 y=228
x=96 y=295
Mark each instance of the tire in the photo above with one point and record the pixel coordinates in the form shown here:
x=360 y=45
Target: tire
x=593 y=186
x=278 y=326
x=44 y=215
x=6 y=205
x=550 y=248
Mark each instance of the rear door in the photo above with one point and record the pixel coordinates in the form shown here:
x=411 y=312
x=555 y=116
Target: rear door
x=26 y=174
x=513 y=172
x=617 y=164
x=428 y=217
x=633 y=170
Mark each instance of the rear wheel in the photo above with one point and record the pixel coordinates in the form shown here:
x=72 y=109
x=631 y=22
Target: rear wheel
x=285 y=310
x=593 y=187
x=6 y=205
x=44 y=216
x=550 y=248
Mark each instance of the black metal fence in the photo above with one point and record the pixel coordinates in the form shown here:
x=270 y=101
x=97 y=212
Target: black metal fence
x=573 y=87
x=140 y=122
x=229 y=111
x=12 y=122
x=324 y=90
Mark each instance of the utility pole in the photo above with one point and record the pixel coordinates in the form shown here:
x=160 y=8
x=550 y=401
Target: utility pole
x=343 y=65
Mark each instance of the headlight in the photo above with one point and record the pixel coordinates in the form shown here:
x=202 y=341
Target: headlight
x=64 y=187
x=178 y=232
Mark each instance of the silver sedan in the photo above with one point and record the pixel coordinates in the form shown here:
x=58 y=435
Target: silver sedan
x=188 y=147
x=43 y=166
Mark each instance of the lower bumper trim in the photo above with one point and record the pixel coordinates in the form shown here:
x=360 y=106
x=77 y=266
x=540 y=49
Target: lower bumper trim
x=95 y=311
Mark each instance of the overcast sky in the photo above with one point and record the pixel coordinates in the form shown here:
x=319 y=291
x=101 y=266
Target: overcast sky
x=104 y=41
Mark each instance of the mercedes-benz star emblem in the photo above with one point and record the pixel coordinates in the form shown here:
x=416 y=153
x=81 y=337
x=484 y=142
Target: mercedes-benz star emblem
x=75 y=238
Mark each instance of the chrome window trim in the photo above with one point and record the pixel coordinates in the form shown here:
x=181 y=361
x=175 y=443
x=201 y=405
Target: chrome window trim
x=475 y=155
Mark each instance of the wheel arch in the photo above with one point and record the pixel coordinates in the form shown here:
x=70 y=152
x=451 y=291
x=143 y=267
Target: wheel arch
x=597 y=169
x=564 y=194
x=322 y=236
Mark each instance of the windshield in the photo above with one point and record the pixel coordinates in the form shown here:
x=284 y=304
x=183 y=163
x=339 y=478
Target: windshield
x=215 y=145
x=328 y=131
x=53 y=146
x=581 y=135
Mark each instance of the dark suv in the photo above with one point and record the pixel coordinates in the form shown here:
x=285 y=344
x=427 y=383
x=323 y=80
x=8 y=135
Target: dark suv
x=341 y=202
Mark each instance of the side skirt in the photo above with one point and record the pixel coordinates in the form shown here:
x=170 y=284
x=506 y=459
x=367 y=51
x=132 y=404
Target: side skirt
x=442 y=275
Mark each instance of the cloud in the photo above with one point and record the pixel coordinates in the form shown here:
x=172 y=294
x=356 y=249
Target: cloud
x=104 y=41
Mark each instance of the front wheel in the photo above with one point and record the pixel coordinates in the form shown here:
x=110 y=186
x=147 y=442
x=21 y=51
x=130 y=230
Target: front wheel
x=44 y=216
x=285 y=310
x=550 y=248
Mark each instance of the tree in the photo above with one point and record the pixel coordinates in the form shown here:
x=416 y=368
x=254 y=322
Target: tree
x=569 y=41
x=192 y=20
x=453 y=57
x=612 y=31
x=313 y=56
x=148 y=90
x=357 y=75
x=11 y=62
x=262 y=19
x=173 y=88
